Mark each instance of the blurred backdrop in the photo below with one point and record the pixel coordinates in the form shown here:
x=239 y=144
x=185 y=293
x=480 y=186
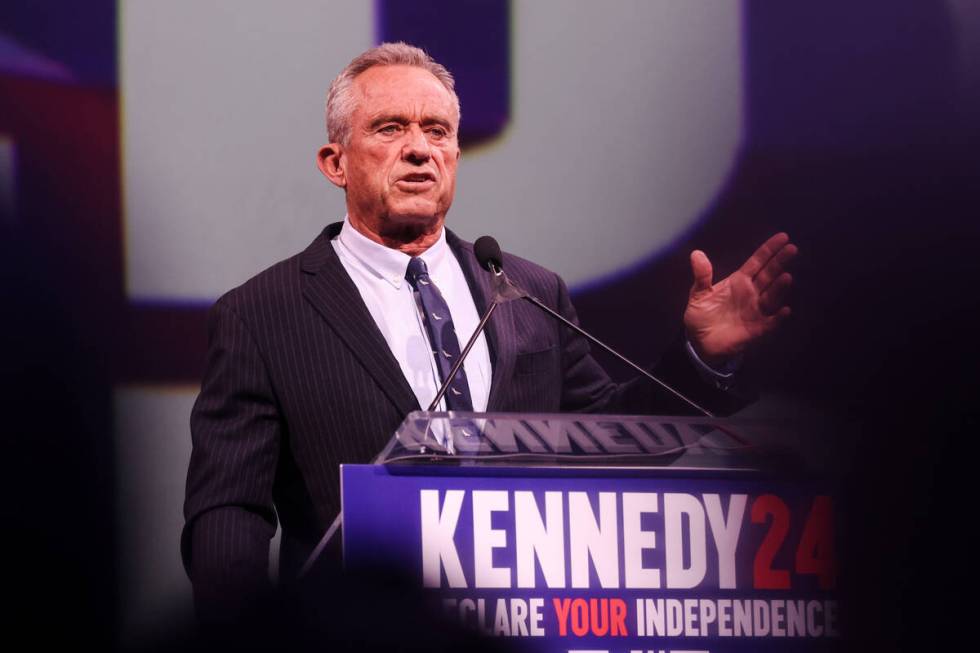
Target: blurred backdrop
x=154 y=155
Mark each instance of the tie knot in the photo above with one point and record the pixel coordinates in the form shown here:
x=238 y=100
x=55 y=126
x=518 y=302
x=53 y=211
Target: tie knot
x=416 y=269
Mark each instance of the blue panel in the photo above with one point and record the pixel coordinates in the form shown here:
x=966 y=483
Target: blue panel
x=383 y=527
x=472 y=39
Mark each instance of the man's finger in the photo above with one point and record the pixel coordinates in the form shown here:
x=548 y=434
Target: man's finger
x=701 y=268
x=762 y=255
x=775 y=267
x=774 y=321
x=781 y=315
x=771 y=301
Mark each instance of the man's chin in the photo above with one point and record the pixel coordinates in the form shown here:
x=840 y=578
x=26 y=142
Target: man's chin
x=407 y=225
x=415 y=213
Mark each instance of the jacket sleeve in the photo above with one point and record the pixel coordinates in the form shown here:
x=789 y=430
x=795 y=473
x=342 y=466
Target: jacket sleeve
x=588 y=388
x=228 y=510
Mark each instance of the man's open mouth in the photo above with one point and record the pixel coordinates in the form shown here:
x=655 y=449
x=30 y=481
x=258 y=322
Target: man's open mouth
x=418 y=177
x=417 y=181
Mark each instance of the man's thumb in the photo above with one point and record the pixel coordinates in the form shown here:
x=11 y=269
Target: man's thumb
x=701 y=268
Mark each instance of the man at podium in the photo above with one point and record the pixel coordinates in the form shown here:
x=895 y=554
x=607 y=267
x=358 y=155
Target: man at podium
x=315 y=361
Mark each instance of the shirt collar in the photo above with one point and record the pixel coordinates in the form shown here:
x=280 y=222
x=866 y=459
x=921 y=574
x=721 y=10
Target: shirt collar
x=384 y=262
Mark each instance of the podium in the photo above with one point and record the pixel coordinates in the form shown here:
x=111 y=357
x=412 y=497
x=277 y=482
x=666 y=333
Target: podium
x=603 y=533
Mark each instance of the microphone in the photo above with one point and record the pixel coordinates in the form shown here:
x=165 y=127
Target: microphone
x=489 y=257
x=488 y=254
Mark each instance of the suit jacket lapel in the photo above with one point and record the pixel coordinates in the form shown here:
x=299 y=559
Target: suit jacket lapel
x=333 y=294
x=500 y=328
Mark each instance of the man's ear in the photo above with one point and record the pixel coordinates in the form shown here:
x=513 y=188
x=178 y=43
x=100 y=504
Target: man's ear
x=330 y=162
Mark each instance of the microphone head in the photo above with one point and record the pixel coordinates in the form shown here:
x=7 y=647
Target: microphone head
x=488 y=251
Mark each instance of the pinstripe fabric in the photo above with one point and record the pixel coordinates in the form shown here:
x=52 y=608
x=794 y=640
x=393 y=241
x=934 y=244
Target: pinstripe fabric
x=299 y=379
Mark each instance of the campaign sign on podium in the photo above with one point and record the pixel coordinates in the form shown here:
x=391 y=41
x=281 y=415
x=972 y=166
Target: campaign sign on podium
x=601 y=533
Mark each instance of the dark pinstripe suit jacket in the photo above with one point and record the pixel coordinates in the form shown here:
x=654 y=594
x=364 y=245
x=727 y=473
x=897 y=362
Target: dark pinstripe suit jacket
x=299 y=379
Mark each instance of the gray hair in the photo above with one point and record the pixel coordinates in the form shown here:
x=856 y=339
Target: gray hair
x=341 y=100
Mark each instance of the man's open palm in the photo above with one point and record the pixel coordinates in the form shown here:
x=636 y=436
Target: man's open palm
x=722 y=319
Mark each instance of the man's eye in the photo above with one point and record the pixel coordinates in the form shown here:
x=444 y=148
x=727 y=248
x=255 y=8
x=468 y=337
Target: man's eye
x=438 y=132
x=389 y=129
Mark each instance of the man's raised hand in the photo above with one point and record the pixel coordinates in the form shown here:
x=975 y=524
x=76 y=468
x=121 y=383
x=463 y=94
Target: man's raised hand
x=723 y=319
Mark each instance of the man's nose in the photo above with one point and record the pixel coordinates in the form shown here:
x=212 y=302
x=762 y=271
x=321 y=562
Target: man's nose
x=416 y=147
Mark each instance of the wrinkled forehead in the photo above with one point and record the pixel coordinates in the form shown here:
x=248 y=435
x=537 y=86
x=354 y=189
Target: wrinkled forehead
x=403 y=90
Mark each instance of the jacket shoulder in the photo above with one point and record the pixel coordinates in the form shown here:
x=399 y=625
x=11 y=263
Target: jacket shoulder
x=535 y=278
x=532 y=274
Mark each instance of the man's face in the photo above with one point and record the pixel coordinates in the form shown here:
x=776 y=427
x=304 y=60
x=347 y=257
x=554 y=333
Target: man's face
x=400 y=163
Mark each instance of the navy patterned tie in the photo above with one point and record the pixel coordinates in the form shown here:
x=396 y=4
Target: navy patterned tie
x=442 y=334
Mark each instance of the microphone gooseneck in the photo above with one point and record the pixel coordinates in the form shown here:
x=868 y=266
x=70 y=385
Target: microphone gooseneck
x=488 y=254
x=558 y=316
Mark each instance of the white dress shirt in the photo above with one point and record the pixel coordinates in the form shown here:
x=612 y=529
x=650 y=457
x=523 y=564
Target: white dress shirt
x=379 y=274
